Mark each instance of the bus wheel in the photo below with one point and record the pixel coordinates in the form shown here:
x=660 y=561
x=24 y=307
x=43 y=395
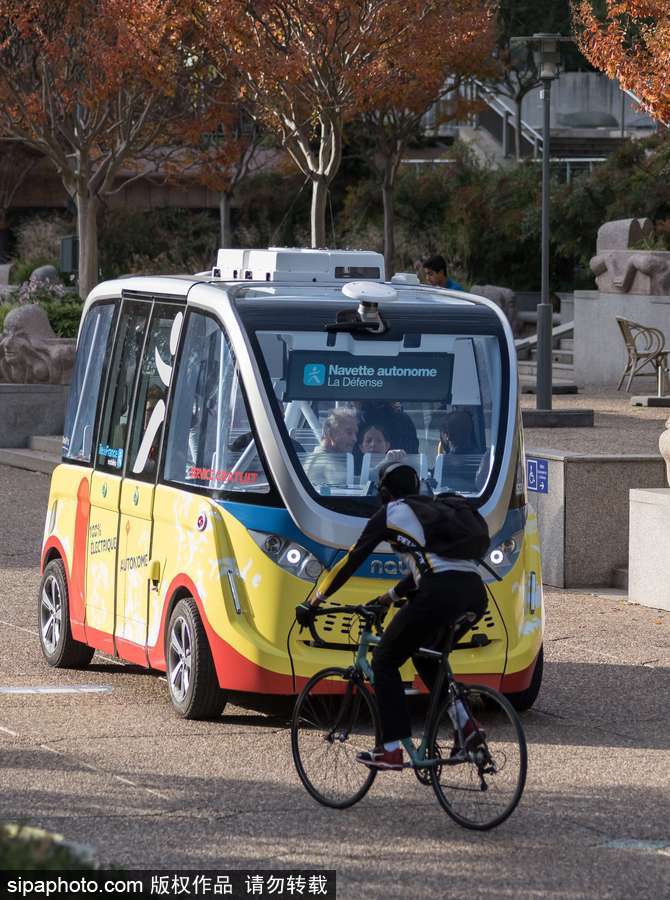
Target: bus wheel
x=192 y=682
x=53 y=618
x=524 y=699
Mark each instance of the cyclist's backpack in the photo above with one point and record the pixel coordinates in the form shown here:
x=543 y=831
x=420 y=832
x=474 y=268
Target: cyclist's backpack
x=453 y=526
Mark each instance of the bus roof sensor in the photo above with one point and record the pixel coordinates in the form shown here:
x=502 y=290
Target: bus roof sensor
x=366 y=318
x=298 y=265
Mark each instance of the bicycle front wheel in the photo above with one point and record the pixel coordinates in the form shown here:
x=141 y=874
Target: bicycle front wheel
x=481 y=786
x=335 y=717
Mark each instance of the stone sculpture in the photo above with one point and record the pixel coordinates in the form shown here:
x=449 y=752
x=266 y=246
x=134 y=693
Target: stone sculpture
x=664 y=447
x=619 y=269
x=30 y=351
x=503 y=297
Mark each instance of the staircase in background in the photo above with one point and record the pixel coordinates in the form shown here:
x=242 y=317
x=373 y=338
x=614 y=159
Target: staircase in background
x=563 y=370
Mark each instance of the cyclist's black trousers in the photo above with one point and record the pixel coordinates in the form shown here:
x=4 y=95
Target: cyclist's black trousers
x=440 y=600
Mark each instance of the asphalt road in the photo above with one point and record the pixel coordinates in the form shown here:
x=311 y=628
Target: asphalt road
x=119 y=772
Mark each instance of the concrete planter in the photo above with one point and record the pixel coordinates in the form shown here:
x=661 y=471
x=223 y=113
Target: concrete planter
x=28 y=409
x=649 y=554
x=583 y=517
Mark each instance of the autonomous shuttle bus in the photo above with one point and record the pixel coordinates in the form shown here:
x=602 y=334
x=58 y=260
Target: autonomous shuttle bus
x=222 y=439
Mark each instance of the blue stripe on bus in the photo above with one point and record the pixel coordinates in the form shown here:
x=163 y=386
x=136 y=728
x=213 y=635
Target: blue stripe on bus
x=275 y=520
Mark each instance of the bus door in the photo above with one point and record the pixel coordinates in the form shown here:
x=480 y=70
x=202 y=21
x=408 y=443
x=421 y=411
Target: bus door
x=105 y=494
x=133 y=583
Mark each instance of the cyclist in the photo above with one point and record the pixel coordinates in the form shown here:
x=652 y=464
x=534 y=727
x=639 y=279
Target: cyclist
x=439 y=591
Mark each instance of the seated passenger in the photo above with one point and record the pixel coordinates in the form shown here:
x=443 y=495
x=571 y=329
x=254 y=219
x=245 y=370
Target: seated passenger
x=457 y=434
x=398 y=426
x=373 y=438
x=326 y=464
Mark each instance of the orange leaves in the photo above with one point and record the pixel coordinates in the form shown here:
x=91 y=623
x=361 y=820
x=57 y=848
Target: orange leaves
x=632 y=44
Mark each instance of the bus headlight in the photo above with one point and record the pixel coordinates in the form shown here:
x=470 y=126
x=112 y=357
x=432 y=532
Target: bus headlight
x=503 y=556
x=292 y=557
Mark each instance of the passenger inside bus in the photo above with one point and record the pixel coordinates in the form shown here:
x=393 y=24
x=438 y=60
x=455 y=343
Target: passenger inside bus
x=327 y=463
x=458 y=460
x=457 y=434
x=373 y=438
x=399 y=428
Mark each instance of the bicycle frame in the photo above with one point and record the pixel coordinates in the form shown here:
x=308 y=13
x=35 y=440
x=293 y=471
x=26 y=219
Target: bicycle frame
x=417 y=755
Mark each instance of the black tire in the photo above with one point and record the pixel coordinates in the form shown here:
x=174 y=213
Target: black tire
x=482 y=789
x=523 y=700
x=191 y=676
x=327 y=731
x=53 y=621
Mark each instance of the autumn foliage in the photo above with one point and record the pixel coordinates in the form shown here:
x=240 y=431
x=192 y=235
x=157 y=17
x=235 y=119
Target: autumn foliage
x=442 y=44
x=95 y=85
x=630 y=42
x=309 y=65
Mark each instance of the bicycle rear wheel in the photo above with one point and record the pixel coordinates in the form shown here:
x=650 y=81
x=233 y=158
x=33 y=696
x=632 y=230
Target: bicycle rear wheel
x=334 y=718
x=480 y=788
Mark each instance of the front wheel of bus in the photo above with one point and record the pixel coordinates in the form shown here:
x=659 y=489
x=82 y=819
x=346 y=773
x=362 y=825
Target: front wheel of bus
x=53 y=618
x=192 y=682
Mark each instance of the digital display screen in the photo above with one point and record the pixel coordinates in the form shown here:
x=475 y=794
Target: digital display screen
x=319 y=375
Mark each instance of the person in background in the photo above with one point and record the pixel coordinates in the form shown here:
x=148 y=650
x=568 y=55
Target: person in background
x=435 y=273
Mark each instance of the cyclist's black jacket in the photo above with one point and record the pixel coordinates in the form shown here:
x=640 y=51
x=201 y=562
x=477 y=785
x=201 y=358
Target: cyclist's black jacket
x=400 y=525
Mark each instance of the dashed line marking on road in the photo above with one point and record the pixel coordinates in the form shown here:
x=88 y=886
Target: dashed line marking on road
x=8 y=731
x=19 y=628
x=99 y=771
x=72 y=689
x=644 y=846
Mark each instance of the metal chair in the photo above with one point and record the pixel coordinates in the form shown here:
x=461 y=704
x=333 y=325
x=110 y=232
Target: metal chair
x=645 y=346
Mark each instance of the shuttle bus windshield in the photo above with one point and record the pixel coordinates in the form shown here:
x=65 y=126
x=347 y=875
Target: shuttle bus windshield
x=431 y=392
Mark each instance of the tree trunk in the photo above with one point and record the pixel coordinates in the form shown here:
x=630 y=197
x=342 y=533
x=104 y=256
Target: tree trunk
x=517 y=128
x=388 y=185
x=4 y=236
x=87 y=228
x=225 y=203
x=318 y=217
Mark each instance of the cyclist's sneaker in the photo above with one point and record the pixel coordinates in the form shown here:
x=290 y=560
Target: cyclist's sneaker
x=381 y=759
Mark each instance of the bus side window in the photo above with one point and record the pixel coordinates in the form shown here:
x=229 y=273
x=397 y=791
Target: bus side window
x=209 y=441
x=89 y=368
x=152 y=390
x=125 y=362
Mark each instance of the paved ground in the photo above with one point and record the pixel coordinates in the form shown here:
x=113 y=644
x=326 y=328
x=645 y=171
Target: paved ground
x=618 y=428
x=119 y=772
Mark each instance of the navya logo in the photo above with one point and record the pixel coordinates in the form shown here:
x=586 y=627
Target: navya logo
x=314 y=375
x=383 y=567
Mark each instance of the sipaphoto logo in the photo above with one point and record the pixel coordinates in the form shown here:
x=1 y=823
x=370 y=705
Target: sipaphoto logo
x=314 y=375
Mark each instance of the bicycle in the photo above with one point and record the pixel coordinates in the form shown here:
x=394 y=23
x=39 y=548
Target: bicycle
x=478 y=783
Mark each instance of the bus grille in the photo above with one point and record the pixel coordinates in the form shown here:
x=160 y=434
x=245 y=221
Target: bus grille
x=336 y=625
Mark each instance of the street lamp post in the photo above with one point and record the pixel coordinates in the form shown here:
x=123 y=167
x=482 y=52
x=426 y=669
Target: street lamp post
x=546 y=51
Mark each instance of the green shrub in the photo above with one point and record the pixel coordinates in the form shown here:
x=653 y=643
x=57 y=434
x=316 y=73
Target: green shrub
x=22 y=269
x=4 y=309
x=64 y=315
x=32 y=848
x=157 y=241
x=64 y=312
